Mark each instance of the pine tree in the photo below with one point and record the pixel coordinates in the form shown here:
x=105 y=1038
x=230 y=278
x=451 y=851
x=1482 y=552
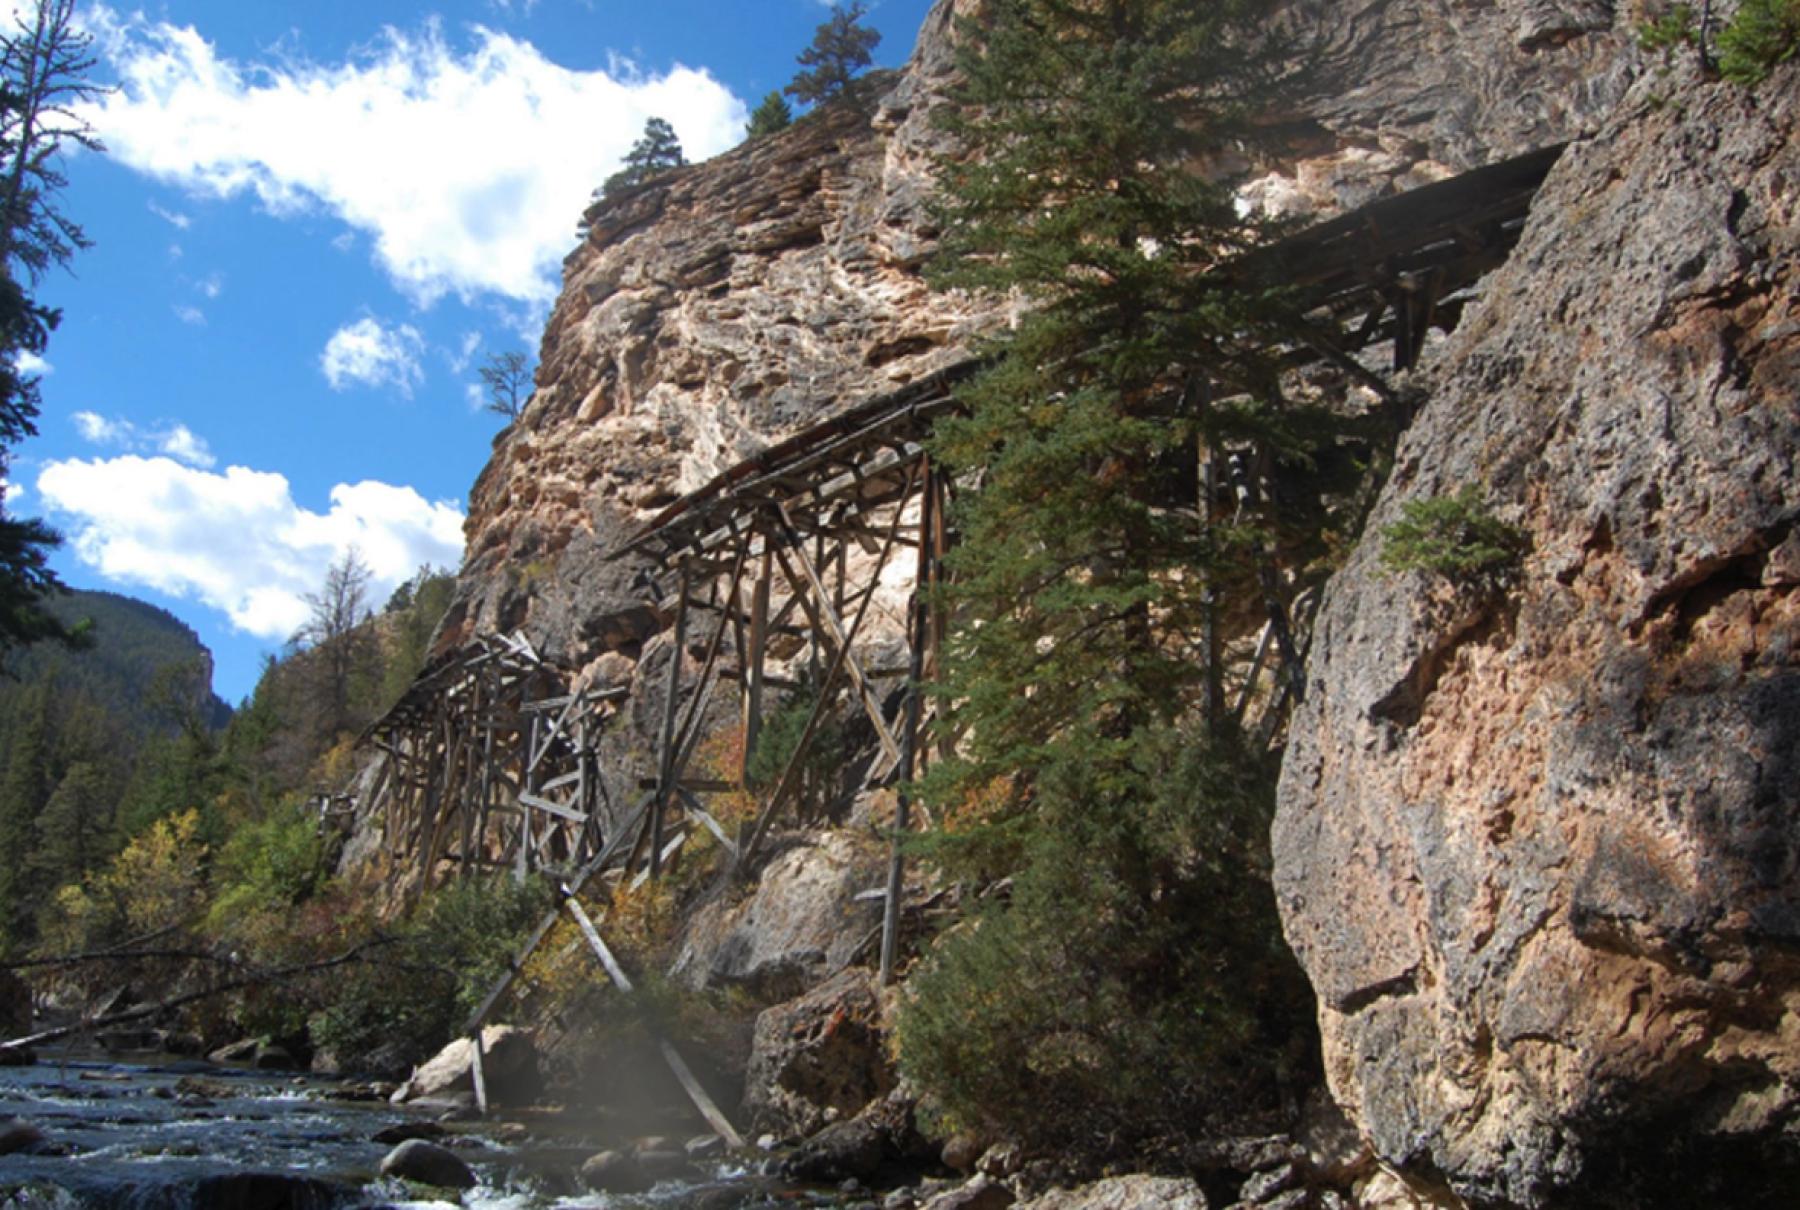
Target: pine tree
x=74 y=830
x=1089 y=565
x=841 y=47
x=656 y=152
x=771 y=116
x=23 y=790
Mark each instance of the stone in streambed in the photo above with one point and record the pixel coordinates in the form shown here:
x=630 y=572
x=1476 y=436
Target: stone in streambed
x=614 y=1172
x=429 y=1164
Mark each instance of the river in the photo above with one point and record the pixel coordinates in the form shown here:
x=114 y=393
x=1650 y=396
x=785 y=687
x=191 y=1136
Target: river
x=186 y=1134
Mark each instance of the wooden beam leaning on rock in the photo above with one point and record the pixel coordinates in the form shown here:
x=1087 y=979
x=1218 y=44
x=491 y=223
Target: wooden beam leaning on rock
x=683 y=1075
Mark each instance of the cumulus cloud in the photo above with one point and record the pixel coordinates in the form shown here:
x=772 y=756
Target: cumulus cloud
x=466 y=168
x=238 y=541
x=166 y=437
x=366 y=352
x=28 y=362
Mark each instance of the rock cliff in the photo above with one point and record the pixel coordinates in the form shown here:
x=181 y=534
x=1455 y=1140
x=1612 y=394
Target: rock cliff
x=1540 y=852
x=725 y=306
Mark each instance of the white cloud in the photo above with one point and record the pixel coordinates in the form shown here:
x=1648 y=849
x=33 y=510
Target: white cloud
x=183 y=445
x=175 y=218
x=212 y=285
x=11 y=493
x=28 y=362
x=366 y=352
x=97 y=428
x=167 y=437
x=190 y=315
x=238 y=541
x=467 y=168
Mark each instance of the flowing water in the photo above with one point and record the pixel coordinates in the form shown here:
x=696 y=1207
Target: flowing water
x=187 y=1134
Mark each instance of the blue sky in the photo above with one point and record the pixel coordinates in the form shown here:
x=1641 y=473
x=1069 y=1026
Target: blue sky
x=312 y=224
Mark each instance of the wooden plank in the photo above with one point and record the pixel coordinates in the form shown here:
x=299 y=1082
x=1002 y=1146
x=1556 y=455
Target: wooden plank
x=665 y=754
x=717 y=1120
x=480 y=1076
x=918 y=623
x=705 y=817
x=819 y=609
x=552 y=808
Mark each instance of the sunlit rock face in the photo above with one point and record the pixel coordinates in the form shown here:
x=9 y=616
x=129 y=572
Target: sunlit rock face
x=1540 y=854
x=730 y=304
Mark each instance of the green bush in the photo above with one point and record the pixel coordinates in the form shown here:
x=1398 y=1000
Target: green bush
x=780 y=736
x=263 y=870
x=411 y=997
x=1454 y=537
x=1136 y=984
x=1763 y=35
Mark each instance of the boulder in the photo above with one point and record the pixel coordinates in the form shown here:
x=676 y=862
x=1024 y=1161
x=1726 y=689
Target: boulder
x=242 y=1051
x=818 y=1058
x=981 y=1193
x=18 y=1137
x=614 y=1172
x=402 y=1131
x=1538 y=849
x=1124 y=1193
x=429 y=1164
x=509 y=1069
x=265 y=1191
x=803 y=924
x=881 y=1137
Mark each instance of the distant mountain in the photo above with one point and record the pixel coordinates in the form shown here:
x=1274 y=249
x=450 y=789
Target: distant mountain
x=144 y=666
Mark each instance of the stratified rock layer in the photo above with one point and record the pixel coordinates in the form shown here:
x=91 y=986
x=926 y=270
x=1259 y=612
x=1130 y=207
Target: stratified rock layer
x=1540 y=852
x=728 y=305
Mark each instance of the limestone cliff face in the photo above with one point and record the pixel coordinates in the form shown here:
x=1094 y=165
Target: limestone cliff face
x=1540 y=855
x=730 y=304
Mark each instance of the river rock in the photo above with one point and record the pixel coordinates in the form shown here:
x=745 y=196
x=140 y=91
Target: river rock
x=241 y=1051
x=1539 y=850
x=1124 y=1193
x=614 y=1172
x=981 y=1193
x=20 y=1137
x=884 y=1134
x=266 y=1191
x=509 y=1069
x=818 y=1058
x=428 y=1163
x=402 y=1131
x=17 y=1056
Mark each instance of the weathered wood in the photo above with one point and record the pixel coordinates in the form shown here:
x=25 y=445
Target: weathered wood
x=477 y=1074
x=819 y=610
x=665 y=750
x=753 y=664
x=683 y=1075
x=552 y=808
x=917 y=628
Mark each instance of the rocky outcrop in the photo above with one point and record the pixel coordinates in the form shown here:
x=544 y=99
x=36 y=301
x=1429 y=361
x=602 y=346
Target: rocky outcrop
x=806 y=921
x=725 y=306
x=1539 y=851
x=818 y=1058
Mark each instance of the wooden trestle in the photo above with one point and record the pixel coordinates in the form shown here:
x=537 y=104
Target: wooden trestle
x=488 y=762
x=490 y=759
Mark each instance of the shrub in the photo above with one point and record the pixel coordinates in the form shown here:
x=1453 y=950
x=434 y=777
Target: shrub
x=1454 y=537
x=1136 y=984
x=1763 y=35
x=410 y=998
x=263 y=871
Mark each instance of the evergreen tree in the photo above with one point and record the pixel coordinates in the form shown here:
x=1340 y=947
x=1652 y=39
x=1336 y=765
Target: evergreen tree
x=1087 y=573
x=771 y=116
x=44 y=61
x=74 y=830
x=656 y=152
x=841 y=47
x=24 y=788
